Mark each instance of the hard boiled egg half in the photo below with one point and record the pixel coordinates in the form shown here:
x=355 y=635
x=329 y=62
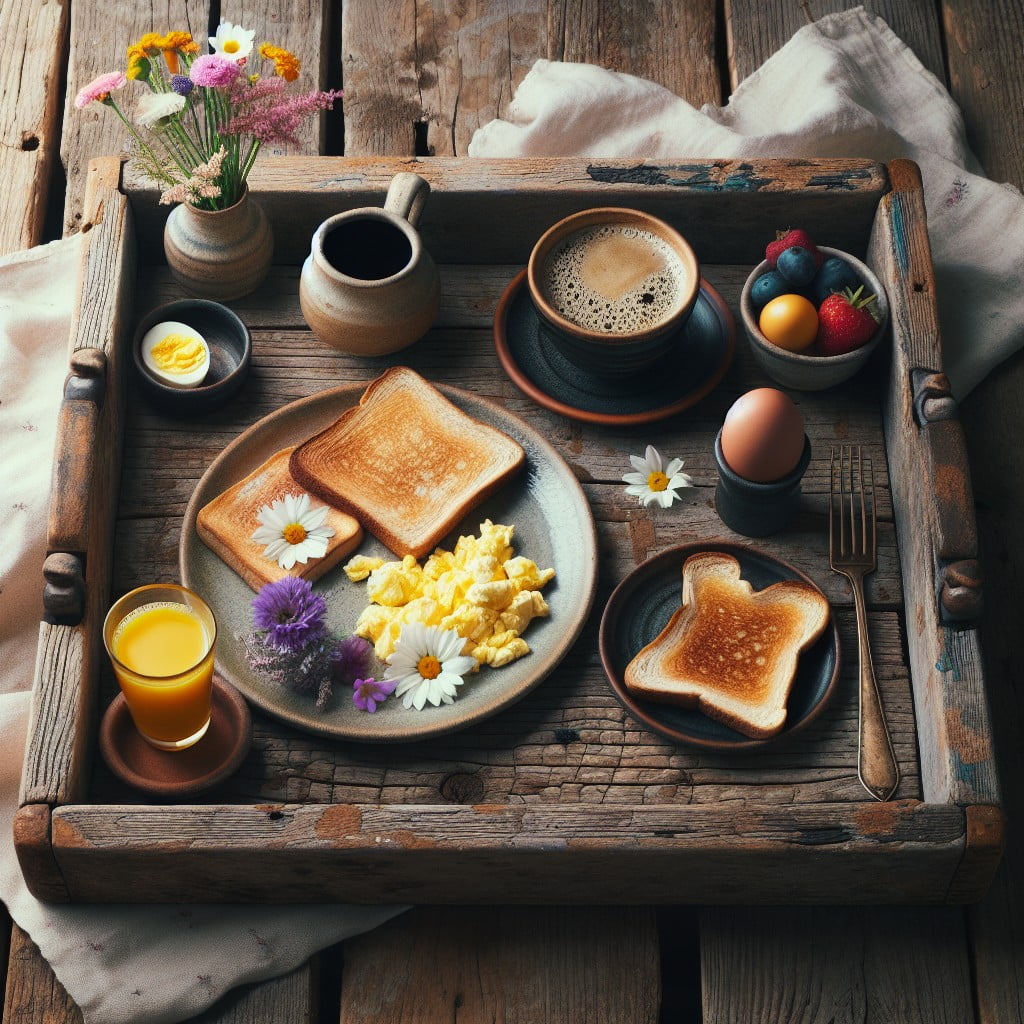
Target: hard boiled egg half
x=176 y=354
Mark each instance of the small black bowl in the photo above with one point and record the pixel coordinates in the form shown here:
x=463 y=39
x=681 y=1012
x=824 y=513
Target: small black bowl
x=230 y=355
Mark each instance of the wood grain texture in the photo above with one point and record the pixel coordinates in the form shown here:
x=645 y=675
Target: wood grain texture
x=957 y=758
x=525 y=197
x=673 y=44
x=759 y=28
x=33 y=994
x=515 y=965
x=30 y=79
x=983 y=46
x=834 y=966
x=99 y=36
x=521 y=853
x=56 y=761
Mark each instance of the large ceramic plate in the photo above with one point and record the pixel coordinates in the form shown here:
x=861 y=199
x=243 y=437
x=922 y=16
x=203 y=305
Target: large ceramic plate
x=639 y=609
x=553 y=526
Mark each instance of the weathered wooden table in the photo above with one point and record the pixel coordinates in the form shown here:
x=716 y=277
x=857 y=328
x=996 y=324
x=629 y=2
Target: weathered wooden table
x=419 y=80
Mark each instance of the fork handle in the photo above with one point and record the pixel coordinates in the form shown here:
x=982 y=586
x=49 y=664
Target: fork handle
x=876 y=759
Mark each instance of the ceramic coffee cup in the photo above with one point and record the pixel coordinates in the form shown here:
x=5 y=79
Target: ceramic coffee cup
x=368 y=286
x=613 y=288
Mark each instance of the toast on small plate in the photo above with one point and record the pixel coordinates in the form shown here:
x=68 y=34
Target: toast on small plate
x=406 y=462
x=730 y=651
x=227 y=523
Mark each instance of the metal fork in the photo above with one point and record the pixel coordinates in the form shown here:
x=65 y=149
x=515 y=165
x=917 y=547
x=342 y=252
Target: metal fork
x=853 y=547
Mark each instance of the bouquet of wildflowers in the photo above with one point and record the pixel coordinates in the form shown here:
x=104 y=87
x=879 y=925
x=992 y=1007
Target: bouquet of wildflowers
x=292 y=647
x=207 y=115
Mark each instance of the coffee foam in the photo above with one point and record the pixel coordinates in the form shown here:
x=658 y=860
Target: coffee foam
x=614 y=278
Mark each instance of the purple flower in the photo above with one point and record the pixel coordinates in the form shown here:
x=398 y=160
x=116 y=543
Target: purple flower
x=289 y=614
x=181 y=84
x=351 y=658
x=368 y=693
x=213 y=71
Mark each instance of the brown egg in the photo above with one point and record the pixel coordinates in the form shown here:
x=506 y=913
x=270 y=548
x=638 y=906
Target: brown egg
x=763 y=435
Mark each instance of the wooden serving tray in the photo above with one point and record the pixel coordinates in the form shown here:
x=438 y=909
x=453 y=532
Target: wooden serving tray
x=563 y=797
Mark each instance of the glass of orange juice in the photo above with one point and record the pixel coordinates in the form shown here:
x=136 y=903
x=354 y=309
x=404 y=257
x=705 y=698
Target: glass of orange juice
x=160 y=639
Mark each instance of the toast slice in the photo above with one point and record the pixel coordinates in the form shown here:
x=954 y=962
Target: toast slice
x=227 y=523
x=406 y=462
x=729 y=651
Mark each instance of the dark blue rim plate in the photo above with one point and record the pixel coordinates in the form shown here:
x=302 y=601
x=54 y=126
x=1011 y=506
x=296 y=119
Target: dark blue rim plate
x=641 y=605
x=680 y=380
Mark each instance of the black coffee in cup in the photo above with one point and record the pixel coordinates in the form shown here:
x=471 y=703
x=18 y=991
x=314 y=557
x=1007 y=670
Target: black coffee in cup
x=367 y=248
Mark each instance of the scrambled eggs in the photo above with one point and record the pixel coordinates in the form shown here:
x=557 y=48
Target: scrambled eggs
x=482 y=590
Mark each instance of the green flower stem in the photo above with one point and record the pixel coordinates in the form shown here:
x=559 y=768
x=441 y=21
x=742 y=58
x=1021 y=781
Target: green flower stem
x=157 y=164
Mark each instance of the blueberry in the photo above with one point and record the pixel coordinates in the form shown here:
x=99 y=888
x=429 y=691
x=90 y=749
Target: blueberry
x=797 y=265
x=767 y=287
x=835 y=275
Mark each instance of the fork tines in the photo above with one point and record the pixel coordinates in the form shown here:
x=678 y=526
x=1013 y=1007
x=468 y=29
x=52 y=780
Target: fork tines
x=852 y=522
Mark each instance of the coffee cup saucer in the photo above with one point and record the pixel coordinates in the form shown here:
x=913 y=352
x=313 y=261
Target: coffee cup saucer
x=675 y=383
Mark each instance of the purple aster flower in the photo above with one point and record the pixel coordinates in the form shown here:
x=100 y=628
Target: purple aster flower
x=351 y=658
x=181 y=84
x=368 y=693
x=213 y=71
x=289 y=614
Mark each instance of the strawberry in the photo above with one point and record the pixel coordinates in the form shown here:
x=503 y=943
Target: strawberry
x=846 y=321
x=786 y=240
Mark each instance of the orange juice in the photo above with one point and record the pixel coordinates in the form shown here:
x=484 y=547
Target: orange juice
x=162 y=652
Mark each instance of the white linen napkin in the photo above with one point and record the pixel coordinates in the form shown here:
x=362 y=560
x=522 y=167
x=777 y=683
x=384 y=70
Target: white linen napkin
x=119 y=963
x=844 y=86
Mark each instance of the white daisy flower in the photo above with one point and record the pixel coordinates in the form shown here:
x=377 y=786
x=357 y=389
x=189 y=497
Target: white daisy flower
x=232 y=41
x=427 y=664
x=155 y=106
x=655 y=483
x=293 y=530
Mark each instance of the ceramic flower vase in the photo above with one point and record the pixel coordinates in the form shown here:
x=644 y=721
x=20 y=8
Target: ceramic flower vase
x=219 y=254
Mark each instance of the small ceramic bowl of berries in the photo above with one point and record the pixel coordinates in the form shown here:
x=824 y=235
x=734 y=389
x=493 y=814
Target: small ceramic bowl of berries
x=813 y=314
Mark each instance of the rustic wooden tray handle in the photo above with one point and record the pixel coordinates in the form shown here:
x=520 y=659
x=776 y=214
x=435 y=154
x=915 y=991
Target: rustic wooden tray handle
x=958 y=573
x=67 y=538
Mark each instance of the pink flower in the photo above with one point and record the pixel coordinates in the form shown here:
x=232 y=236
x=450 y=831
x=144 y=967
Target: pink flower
x=211 y=70
x=263 y=111
x=100 y=88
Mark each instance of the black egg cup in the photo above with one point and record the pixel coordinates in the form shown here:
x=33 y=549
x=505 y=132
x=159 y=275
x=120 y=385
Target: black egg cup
x=757 y=509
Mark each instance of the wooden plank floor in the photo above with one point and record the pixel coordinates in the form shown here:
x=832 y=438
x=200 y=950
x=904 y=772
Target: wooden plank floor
x=420 y=77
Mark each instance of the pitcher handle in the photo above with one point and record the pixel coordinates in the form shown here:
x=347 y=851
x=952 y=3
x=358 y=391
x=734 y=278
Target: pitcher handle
x=407 y=195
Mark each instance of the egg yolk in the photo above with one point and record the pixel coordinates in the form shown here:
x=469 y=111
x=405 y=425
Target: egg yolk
x=178 y=354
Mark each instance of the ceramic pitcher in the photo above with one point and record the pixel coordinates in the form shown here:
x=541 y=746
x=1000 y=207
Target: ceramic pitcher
x=219 y=254
x=368 y=286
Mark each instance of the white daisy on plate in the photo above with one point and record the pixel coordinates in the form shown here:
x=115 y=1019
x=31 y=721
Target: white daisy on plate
x=232 y=41
x=654 y=483
x=155 y=106
x=428 y=665
x=293 y=530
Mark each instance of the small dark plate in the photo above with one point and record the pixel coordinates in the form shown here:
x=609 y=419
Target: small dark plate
x=230 y=355
x=173 y=774
x=639 y=609
x=675 y=383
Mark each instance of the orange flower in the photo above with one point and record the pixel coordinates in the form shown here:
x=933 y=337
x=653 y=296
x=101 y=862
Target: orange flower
x=174 y=43
x=286 y=64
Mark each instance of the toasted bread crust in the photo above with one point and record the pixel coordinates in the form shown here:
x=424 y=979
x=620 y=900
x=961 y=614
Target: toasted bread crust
x=406 y=462
x=226 y=525
x=729 y=651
